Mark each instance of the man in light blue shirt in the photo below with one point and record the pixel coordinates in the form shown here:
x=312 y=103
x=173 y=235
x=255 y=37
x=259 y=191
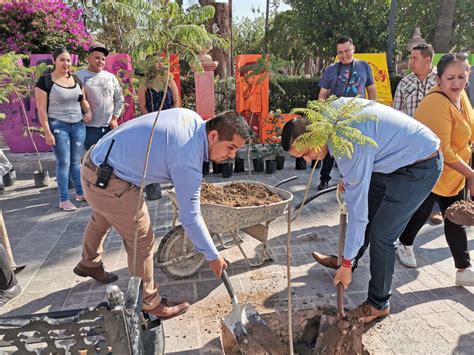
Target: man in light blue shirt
x=181 y=142
x=384 y=186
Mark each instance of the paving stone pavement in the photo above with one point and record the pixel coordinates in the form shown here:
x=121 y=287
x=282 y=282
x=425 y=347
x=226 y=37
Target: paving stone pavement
x=429 y=314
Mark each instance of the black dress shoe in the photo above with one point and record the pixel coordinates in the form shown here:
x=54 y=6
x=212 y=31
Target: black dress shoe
x=323 y=185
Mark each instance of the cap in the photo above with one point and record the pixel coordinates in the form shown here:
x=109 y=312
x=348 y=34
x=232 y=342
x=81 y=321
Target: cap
x=98 y=47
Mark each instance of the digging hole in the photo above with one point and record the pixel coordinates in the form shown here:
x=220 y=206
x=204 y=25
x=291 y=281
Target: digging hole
x=305 y=330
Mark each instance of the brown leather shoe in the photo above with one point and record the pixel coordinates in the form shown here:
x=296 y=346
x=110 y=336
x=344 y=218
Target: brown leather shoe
x=164 y=311
x=329 y=261
x=368 y=313
x=97 y=273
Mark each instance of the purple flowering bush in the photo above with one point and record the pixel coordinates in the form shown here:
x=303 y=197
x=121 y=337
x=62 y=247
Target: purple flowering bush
x=40 y=26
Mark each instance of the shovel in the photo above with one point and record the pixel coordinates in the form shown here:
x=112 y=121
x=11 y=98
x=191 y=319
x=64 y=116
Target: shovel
x=340 y=334
x=244 y=331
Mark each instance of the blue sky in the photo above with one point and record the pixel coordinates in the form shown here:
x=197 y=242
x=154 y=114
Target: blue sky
x=243 y=8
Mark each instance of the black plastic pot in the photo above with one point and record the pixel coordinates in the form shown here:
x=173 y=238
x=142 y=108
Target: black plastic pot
x=41 y=178
x=258 y=164
x=227 y=170
x=239 y=165
x=300 y=164
x=216 y=168
x=314 y=161
x=206 y=166
x=9 y=178
x=270 y=166
x=153 y=191
x=280 y=162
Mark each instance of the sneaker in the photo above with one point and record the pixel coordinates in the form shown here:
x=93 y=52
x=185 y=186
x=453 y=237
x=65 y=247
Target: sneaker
x=7 y=296
x=67 y=206
x=80 y=198
x=465 y=277
x=436 y=217
x=368 y=313
x=323 y=185
x=406 y=255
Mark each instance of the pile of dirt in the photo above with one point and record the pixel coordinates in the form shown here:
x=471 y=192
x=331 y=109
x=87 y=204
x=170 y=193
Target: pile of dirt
x=238 y=194
x=461 y=212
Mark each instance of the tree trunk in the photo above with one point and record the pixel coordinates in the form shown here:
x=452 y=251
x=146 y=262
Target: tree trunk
x=444 y=25
x=220 y=25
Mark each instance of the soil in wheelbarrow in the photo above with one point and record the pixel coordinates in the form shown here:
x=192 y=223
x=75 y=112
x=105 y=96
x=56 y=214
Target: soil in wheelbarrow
x=238 y=195
x=461 y=212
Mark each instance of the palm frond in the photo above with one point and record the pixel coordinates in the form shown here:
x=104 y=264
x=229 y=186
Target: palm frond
x=334 y=124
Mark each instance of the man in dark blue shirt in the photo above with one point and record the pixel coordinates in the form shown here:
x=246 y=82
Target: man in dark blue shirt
x=347 y=78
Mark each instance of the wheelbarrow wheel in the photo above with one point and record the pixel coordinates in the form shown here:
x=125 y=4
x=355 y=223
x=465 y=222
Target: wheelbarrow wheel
x=176 y=244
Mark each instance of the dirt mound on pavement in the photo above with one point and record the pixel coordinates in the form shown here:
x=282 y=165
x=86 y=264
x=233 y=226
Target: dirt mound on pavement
x=461 y=212
x=238 y=194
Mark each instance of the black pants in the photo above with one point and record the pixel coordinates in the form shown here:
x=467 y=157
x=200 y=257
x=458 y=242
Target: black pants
x=455 y=233
x=328 y=163
x=7 y=277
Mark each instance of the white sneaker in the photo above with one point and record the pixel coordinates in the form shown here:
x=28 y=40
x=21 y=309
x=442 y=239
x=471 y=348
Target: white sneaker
x=406 y=255
x=465 y=277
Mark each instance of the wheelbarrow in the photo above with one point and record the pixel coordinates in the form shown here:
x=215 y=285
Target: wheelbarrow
x=176 y=255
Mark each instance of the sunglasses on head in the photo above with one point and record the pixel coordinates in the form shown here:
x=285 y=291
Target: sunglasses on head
x=421 y=46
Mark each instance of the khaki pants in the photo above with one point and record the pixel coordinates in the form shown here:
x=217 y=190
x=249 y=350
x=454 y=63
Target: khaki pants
x=116 y=206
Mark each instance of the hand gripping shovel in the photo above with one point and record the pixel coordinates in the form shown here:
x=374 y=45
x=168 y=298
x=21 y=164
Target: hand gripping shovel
x=340 y=334
x=244 y=331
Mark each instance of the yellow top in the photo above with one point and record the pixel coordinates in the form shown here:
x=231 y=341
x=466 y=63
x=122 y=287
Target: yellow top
x=455 y=129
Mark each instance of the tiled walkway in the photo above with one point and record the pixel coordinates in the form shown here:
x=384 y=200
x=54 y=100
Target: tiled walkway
x=429 y=313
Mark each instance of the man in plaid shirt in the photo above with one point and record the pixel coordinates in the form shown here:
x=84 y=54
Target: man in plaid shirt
x=413 y=87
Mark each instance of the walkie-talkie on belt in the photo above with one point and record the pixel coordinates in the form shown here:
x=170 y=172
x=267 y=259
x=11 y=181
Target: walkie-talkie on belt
x=105 y=170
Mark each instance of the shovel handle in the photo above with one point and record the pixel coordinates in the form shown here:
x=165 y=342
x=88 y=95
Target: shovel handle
x=340 y=301
x=228 y=286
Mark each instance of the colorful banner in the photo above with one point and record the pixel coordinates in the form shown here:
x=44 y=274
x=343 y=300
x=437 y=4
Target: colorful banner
x=378 y=64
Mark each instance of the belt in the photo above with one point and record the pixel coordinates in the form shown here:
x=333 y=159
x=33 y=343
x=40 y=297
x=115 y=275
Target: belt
x=88 y=162
x=434 y=155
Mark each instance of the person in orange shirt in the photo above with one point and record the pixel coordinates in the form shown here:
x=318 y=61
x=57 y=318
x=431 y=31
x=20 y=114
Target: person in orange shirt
x=446 y=110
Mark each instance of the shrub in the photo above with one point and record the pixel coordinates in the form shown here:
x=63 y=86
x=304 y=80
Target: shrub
x=41 y=26
x=298 y=91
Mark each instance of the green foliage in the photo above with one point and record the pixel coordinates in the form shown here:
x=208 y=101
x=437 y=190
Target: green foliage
x=286 y=40
x=157 y=27
x=298 y=91
x=248 y=34
x=333 y=125
x=321 y=22
x=16 y=79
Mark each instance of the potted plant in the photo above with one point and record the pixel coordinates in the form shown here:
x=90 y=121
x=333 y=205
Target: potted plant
x=257 y=158
x=274 y=125
x=227 y=167
x=16 y=82
x=206 y=166
x=239 y=164
x=216 y=168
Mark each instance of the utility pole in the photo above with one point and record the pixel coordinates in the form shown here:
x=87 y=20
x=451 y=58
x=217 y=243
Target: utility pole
x=391 y=36
x=267 y=15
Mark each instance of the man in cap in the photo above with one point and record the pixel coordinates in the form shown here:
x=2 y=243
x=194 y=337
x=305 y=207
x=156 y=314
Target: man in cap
x=104 y=94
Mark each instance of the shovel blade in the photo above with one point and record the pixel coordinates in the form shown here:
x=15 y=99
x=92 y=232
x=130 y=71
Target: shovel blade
x=339 y=336
x=245 y=332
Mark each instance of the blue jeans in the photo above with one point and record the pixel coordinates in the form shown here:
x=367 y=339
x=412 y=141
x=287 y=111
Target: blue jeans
x=68 y=150
x=393 y=199
x=93 y=135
